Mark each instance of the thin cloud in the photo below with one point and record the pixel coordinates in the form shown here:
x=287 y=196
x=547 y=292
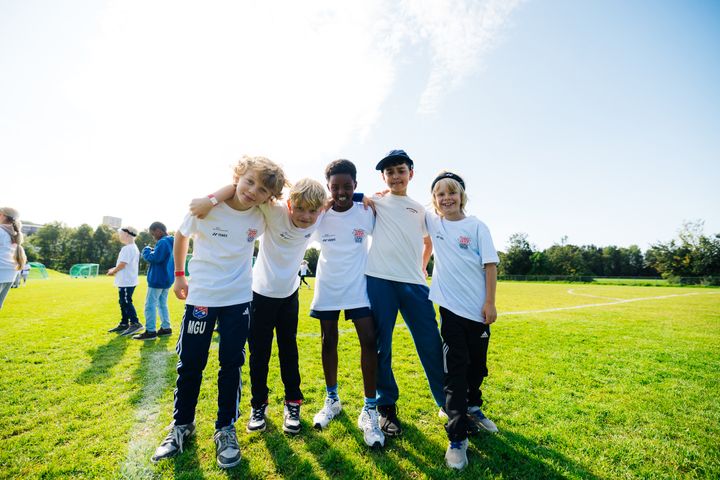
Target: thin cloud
x=459 y=34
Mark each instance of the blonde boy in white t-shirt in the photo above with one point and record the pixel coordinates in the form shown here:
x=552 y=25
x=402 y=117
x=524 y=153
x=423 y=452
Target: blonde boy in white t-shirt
x=220 y=291
x=125 y=272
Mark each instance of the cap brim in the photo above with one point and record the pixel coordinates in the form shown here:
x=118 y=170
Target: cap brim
x=392 y=159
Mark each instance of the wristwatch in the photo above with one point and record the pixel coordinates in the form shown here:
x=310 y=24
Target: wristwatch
x=213 y=200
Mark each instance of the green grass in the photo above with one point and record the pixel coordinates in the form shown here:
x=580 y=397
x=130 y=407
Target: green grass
x=616 y=389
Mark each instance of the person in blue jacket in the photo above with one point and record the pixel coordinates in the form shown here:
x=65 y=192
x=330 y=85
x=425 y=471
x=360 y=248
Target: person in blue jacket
x=160 y=278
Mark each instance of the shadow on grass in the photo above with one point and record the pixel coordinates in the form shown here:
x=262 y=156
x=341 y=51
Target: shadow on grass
x=187 y=463
x=103 y=359
x=515 y=456
x=287 y=464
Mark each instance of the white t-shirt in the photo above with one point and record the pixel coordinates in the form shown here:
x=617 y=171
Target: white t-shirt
x=397 y=246
x=343 y=238
x=282 y=248
x=462 y=248
x=303 y=269
x=128 y=276
x=221 y=265
x=8 y=267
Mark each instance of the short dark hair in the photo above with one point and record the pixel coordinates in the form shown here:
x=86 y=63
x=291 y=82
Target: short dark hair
x=339 y=167
x=158 y=226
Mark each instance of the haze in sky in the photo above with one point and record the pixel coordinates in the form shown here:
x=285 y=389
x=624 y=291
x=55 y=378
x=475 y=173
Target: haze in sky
x=598 y=121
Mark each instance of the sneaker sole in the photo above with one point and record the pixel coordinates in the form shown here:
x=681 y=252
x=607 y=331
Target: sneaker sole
x=291 y=431
x=228 y=465
x=146 y=338
x=456 y=467
x=257 y=430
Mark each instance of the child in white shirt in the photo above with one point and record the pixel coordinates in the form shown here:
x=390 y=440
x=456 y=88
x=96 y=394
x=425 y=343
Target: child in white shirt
x=464 y=283
x=126 y=279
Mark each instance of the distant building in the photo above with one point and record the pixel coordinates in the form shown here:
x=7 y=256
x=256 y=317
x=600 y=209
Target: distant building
x=113 y=222
x=28 y=228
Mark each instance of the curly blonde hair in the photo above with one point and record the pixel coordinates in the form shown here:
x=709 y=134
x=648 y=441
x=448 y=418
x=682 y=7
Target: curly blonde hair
x=270 y=173
x=13 y=226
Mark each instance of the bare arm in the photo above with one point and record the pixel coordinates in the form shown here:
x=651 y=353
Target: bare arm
x=200 y=207
x=180 y=249
x=116 y=268
x=489 y=310
x=427 y=251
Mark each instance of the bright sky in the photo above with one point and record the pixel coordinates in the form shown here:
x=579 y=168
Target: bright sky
x=596 y=120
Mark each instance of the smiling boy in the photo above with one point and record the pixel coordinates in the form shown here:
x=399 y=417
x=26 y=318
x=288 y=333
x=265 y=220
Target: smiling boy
x=396 y=282
x=220 y=291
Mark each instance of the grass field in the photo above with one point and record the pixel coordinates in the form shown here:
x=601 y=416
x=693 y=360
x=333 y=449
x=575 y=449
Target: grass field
x=586 y=381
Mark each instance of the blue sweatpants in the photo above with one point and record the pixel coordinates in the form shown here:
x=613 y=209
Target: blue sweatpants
x=411 y=300
x=193 y=347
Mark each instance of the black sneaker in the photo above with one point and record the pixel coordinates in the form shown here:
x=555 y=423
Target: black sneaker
x=145 y=335
x=227 y=449
x=173 y=443
x=119 y=329
x=132 y=328
x=389 y=422
x=164 y=331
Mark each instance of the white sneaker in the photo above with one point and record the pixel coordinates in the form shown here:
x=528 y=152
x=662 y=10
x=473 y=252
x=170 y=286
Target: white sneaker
x=291 y=422
x=368 y=422
x=456 y=455
x=329 y=411
x=257 y=419
x=478 y=418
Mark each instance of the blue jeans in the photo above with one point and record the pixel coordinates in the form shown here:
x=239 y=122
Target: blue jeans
x=387 y=297
x=156 y=300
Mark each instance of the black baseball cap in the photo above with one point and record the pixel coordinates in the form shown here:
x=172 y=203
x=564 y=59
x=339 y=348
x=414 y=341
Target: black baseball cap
x=394 y=157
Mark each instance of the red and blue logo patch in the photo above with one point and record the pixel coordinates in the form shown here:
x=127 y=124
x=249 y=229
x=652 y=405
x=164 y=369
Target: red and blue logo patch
x=359 y=234
x=464 y=242
x=251 y=234
x=200 y=312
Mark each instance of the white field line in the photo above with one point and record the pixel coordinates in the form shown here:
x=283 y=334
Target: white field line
x=143 y=435
x=617 y=302
x=572 y=292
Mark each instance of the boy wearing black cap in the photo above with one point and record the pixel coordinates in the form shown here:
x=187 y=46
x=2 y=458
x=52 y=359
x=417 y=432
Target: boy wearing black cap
x=396 y=282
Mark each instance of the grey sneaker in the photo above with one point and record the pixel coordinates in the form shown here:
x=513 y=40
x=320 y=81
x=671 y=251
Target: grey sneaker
x=173 y=443
x=456 y=455
x=480 y=420
x=257 y=419
x=291 y=422
x=330 y=410
x=227 y=449
x=368 y=422
x=121 y=327
x=132 y=328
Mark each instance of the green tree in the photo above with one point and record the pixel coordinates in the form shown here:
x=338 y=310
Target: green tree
x=517 y=259
x=50 y=241
x=311 y=256
x=79 y=247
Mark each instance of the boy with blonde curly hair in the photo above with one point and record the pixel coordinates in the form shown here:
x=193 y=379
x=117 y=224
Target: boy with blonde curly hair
x=221 y=291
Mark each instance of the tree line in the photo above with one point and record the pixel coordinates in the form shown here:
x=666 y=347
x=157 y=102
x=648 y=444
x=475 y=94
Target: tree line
x=691 y=254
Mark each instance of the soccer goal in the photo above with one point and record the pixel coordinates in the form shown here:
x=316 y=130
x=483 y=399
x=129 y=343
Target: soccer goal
x=37 y=270
x=84 y=270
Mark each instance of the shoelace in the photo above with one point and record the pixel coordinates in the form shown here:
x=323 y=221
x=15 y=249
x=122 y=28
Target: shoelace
x=372 y=419
x=258 y=414
x=227 y=438
x=175 y=436
x=456 y=445
x=293 y=410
